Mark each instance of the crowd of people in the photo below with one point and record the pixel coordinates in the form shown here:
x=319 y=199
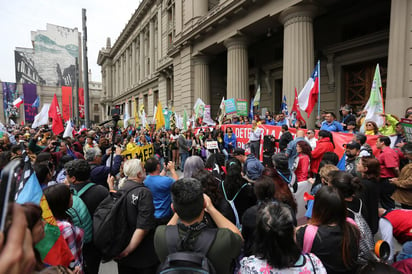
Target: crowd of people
x=199 y=183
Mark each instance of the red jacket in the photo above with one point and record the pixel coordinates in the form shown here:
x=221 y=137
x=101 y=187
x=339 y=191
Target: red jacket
x=323 y=145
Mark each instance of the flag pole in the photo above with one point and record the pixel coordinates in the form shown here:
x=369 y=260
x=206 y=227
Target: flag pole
x=383 y=105
x=318 y=65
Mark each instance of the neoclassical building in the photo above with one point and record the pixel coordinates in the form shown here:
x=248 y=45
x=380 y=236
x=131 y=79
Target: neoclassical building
x=177 y=51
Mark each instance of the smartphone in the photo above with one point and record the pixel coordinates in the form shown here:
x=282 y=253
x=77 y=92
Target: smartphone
x=10 y=175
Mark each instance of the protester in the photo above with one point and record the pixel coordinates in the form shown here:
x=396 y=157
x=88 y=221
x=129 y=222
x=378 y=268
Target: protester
x=78 y=173
x=310 y=138
x=325 y=144
x=189 y=204
x=347 y=117
x=330 y=123
x=160 y=184
x=237 y=191
x=389 y=162
x=60 y=200
x=275 y=249
x=139 y=255
x=369 y=168
x=335 y=242
x=254 y=139
x=252 y=167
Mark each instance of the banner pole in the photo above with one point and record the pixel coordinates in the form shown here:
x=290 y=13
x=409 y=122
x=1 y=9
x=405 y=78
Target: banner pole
x=318 y=65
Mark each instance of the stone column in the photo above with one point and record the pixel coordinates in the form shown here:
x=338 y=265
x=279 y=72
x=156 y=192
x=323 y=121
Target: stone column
x=159 y=34
x=133 y=62
x=137 y=63
x=399 y=69
x=237 y=68
x=202 y=79
x=151 y=47
x=298 y=49
x=200 y=8
x=127 y=68
x=141 y=58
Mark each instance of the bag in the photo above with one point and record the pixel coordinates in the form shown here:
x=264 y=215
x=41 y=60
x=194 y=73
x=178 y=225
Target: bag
x=366 y=242
x=80 y=215
x=185 y=262
x=232 y=203
x=309 y=237
x=112 y=233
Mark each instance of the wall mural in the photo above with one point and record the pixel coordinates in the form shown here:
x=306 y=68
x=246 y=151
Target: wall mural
x=52 y=60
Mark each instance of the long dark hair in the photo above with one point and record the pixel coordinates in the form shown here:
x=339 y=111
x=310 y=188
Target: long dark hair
x=233 y=180
x=274 y=240
x=345 y=182
x=58 y=197
x=330 y=208
x=282 y=190
x=373 y=166
x=306 y=148
x=210 y=185
x=324 y=133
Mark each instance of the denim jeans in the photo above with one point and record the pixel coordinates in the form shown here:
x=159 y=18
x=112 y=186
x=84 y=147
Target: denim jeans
x=183 y=157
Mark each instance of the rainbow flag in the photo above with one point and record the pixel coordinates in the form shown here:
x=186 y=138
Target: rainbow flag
x=53 y=248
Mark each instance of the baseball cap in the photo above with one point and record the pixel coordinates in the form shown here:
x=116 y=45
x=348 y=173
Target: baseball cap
x=353 y=145
x=238 y=151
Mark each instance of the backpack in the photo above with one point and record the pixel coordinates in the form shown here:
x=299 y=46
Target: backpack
x=185 y=262
x=232 y=203
x=111 y=230
x=80 y=215
x=366 y=242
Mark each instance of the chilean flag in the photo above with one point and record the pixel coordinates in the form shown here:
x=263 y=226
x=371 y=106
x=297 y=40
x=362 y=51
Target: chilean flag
x=18 y=102
x=295 y=108
x=308 y=96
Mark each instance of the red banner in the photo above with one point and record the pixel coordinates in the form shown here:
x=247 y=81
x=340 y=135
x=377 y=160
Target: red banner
x=339 y=139
x=81 y=102
x=66 y=102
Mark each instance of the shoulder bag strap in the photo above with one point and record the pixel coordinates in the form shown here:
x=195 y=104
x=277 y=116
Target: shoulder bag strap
x=309 y=237
x=205 y=240
x=172 y=238
x=84 y=189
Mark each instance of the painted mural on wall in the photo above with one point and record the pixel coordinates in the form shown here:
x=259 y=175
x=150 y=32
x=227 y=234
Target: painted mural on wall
x=52 y=59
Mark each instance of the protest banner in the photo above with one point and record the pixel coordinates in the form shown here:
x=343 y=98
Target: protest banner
x=140 y=152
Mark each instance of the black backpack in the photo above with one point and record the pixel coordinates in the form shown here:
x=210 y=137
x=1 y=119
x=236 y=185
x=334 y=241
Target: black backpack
x=111 y=231
x=186 y=262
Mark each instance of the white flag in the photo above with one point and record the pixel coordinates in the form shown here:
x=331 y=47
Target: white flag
x=126 y=115
x=68 y=132
x=42 y=118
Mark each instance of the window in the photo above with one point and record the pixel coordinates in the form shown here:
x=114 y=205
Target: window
x=145 y=103
x=96 y=107
x=155 y=98
x=96 y=119
x=169 y=88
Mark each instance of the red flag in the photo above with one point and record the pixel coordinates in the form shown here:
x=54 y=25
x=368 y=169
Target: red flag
x=55 y=114
x=66 y=102
x=296 y=108
x=81 y=102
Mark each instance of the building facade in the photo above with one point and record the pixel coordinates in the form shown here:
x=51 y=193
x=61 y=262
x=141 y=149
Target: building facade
x=177 y=51
x=50 y=64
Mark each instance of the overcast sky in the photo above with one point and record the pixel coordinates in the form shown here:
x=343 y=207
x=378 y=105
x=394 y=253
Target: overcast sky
x=105 y=18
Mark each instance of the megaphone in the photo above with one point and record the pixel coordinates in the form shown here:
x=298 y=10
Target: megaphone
x=307 y=197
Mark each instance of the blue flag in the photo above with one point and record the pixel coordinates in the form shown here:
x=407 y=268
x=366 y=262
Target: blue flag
x=36 y=103
x=284 y=106
x=342 y=163
x=251 y=109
